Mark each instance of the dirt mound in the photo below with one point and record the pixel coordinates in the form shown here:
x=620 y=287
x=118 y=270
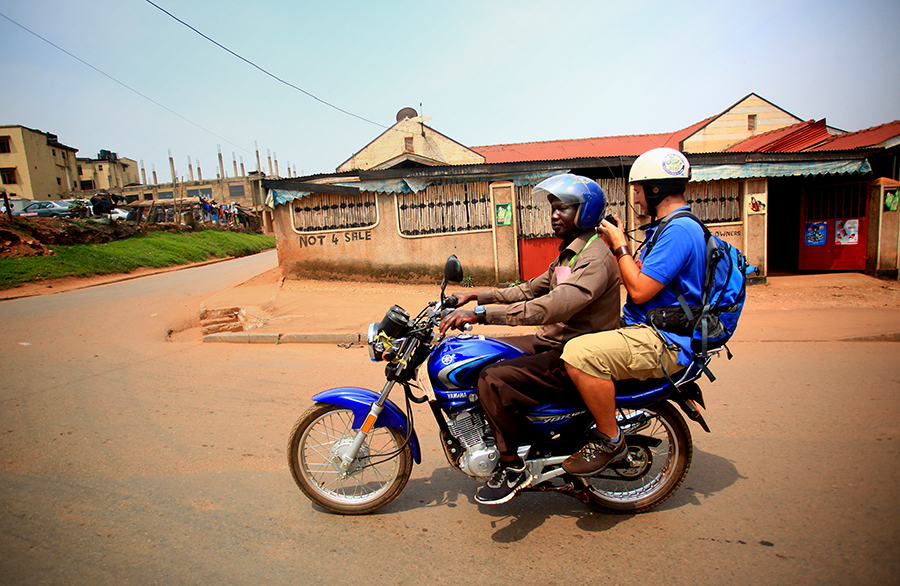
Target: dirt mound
x=32 y=236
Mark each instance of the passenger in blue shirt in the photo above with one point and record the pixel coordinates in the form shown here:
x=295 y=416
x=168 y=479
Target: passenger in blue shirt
x=659 y=178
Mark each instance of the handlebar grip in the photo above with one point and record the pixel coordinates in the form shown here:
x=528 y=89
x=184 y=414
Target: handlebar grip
x=467 y=327
x=451 y=302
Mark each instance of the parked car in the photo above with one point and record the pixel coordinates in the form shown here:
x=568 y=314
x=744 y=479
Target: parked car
x=48 y=209
x=118 y=214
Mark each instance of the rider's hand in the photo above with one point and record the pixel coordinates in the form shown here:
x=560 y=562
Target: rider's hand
x=463 y=298
x=457 y=320
x=613 y=234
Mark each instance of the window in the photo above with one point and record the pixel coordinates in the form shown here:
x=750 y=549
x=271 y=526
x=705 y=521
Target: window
x=58 y=181
x=715 y=201
x=236 y=190
x=87 y=185
x=751 y=122
x=321 y=212
x=79 y=171
x=4 y=144
x=8 y=176
x=99 y=167
x=446 y=207
x=408 y=144
x=165 y=195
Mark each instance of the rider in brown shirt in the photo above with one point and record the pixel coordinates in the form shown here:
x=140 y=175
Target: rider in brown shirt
x=578 y=294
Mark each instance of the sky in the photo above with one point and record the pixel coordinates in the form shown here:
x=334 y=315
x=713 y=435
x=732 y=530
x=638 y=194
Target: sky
x=485 y=72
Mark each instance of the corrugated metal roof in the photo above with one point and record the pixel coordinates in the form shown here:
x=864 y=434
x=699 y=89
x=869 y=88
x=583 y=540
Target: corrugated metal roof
x=885 y=135
x=790 y=139
x=584 y=148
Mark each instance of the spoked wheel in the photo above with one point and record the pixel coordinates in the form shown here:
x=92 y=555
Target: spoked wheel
x=321 y=437
x=659 y=456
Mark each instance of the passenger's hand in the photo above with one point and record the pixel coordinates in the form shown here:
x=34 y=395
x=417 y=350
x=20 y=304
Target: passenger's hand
x=457 y=320
x=613 y=234
x=463 y=298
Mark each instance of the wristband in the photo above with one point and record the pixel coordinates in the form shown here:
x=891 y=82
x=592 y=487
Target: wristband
x=622 y=251
x=480 y=313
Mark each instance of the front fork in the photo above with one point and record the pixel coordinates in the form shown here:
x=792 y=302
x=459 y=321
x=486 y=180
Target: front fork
x=377 y=407
x=374 y=411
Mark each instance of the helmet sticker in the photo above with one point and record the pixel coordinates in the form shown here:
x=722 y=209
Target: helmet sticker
x=673 y=164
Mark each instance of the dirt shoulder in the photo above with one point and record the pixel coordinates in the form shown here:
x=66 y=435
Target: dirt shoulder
x=780 y=292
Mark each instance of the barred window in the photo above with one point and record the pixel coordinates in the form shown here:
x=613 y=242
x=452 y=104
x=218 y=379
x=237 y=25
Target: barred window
x=322 y=212
x=715 y=201
x=444 y=208
x=616 y=191
x=533 y=214
x=829 y=202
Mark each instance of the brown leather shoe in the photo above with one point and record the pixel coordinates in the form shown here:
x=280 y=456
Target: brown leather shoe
x=599 y=453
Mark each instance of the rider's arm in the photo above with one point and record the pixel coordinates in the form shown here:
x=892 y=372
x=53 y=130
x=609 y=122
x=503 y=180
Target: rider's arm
x=640 y=287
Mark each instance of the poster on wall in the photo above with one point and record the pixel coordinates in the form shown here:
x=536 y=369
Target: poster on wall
x=504 y=214
x=890 y=201
x=757 y=204
x=816 y=233
x=846 y=232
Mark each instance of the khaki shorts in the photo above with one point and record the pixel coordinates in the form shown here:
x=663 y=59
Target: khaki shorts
x=629 y=352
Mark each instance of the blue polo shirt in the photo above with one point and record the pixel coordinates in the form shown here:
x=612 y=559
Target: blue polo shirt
x=679 y=255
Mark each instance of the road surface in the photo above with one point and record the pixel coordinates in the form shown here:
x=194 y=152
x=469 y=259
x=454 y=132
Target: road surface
x=126 y=458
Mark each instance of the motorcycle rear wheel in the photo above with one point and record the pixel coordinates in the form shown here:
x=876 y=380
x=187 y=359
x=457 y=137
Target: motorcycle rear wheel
x=659 y=470
x=375 y=479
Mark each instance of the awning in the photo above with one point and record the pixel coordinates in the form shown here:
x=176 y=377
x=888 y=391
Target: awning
x=412 y=185
x=754 y=170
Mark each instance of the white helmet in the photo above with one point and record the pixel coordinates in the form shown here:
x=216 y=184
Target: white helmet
x=660 y=163
x=662 y=172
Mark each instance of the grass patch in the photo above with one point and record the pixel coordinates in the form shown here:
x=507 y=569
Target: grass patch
x=154 y=250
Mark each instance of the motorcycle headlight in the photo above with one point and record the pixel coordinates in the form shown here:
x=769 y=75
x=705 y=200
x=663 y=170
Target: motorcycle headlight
x=374 y=352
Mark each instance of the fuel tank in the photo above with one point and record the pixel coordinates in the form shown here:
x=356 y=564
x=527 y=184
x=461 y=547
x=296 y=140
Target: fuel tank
x=456 y=362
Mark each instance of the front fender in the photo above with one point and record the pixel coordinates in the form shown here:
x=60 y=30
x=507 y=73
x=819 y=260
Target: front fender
x=360 y=401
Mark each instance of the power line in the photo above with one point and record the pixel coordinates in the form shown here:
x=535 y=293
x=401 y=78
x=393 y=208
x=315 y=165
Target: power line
x=122 y=84
x=272 y=75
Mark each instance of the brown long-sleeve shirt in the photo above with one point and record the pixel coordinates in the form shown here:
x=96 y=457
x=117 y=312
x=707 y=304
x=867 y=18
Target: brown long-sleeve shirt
x=587 y=301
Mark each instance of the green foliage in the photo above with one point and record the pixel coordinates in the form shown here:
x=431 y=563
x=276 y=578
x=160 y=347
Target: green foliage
x=155 y=250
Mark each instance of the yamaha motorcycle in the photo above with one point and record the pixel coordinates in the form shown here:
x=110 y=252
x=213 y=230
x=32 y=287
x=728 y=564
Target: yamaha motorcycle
x=353 y=450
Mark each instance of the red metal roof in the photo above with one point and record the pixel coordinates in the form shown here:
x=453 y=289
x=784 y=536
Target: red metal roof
x=790 y=139
x=804 y=136
x=869 y=137
x=584 y=148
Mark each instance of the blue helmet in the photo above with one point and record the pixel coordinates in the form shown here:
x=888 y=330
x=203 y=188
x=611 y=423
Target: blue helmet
x=579 y=192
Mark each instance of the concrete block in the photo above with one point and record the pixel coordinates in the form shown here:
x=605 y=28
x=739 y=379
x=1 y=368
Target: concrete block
x=243 y=338
x=321 y=338
x=218 y=313
x=222 y=328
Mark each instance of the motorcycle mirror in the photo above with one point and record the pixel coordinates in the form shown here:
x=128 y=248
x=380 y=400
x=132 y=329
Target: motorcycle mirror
x=453 y=272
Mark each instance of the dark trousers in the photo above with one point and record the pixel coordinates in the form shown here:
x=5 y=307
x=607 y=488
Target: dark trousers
x=512 y=387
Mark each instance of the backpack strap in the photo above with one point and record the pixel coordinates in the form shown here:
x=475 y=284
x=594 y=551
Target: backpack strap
x=712 y=259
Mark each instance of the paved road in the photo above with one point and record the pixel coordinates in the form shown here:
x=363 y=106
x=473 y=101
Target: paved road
x=126 y=458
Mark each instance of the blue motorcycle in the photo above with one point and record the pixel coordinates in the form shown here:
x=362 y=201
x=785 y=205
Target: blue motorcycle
x=352 y=452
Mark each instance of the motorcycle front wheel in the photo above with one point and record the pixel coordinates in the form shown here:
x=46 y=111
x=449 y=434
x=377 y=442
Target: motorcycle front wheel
x=319 y=439
x=659 y=456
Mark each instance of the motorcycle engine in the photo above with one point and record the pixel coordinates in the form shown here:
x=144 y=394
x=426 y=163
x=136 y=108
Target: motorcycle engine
x=481 y=455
